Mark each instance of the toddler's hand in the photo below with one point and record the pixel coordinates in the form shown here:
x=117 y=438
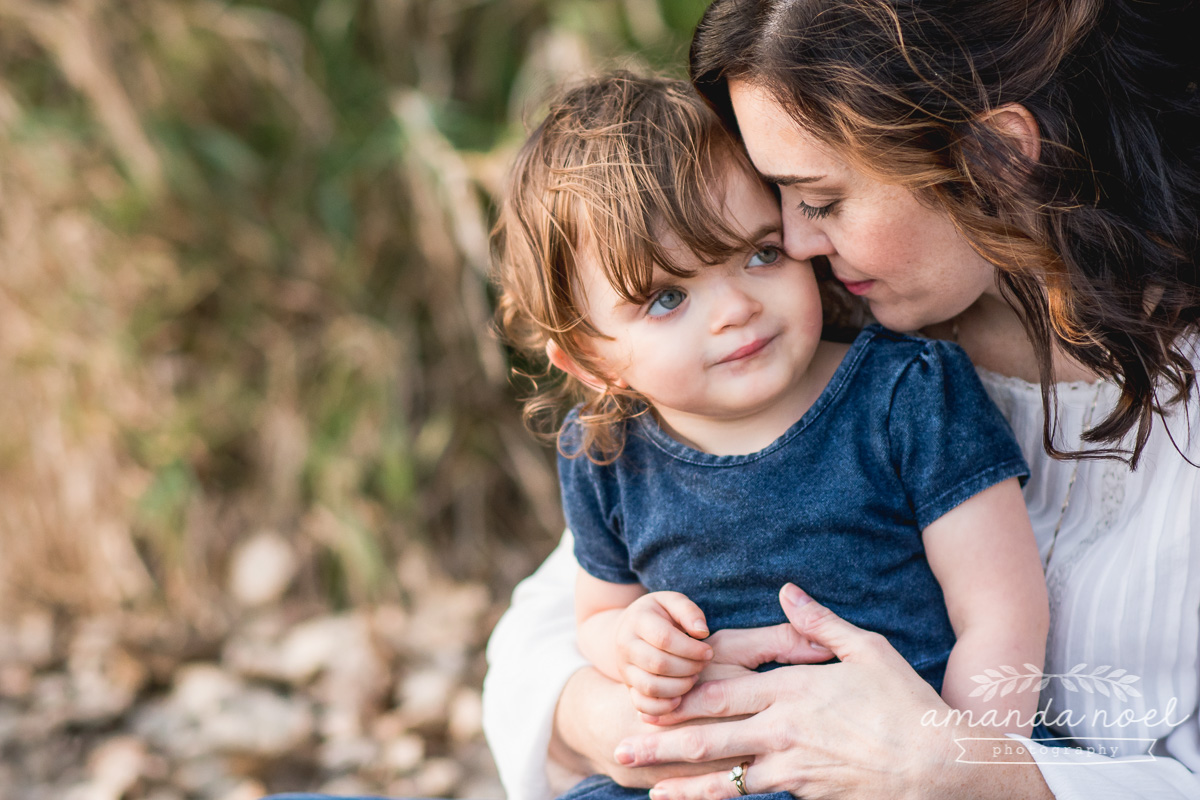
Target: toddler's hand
x=657 y=639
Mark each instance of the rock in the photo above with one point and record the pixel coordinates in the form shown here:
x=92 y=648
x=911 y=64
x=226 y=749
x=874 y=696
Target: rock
x=245 y=790
x=164 y=793
x=203 y=776
x=16 y=681
x=258 y=722
x=403 y=755
x=201 y=688
x=346 y=785
x=482 y=787
x=424 y=697
x=212 y=711
x=466 y=715
x=320 y=643
x=105 y=678
x=345 y=755
x=254 y=651
x=261 y=569
x=388 y=726
x=389 y=624
x=29 y=640
x=89 y=791
x=438 y=777
x=117 y=763
x=445 y=624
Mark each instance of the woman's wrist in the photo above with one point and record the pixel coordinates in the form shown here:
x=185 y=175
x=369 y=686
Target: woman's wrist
x=574 y=746
x=976 y=763
x=594 y=714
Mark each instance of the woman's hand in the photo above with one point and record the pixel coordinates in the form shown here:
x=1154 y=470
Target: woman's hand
x=594 y=713
x=846 y=730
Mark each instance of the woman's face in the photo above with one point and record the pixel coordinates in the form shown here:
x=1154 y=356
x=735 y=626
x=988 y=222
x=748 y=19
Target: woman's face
x=903 y=257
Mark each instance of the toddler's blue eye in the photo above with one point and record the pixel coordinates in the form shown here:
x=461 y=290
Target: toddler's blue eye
x=666 y=301
x=765 y=257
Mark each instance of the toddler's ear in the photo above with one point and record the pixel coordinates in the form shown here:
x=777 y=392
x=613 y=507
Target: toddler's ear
x=560 y=359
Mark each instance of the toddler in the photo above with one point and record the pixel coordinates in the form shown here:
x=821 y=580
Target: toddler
x=719 y=447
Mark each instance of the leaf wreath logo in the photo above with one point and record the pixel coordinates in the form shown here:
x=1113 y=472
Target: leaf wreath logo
x=1006 y=680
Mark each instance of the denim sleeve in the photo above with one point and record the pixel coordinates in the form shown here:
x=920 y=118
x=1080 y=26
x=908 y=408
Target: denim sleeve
x=588 y=497
x=948 y=441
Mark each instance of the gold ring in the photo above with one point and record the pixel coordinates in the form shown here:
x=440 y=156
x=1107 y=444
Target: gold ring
x=738 y=776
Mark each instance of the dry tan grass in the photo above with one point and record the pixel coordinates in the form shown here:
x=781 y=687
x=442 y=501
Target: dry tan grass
x=243 y=258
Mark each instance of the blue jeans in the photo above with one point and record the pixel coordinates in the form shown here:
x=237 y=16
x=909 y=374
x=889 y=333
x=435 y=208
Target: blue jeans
x=601 y=787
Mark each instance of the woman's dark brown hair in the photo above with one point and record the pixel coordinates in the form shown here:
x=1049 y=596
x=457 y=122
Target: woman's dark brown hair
x=1096 y=242
x=620 y=164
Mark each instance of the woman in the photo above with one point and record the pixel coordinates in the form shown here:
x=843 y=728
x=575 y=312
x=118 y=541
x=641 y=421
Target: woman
x=1023 y=178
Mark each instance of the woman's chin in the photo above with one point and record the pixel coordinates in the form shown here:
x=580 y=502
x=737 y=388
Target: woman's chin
x=897 y=318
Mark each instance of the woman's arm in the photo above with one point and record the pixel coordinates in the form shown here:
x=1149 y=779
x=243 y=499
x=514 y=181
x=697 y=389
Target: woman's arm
x=855 y=729
x=531 y=656
x=984 y=556
x=551 y=719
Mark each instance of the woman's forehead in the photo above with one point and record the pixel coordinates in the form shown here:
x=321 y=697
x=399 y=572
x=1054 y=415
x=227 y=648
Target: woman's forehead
x=782 y=151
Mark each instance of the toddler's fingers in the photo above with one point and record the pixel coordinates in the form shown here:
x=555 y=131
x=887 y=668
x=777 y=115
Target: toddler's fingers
x=657 y=662
x=655 y=686
x=660 y=632
x=686 y=614
x=653 y=707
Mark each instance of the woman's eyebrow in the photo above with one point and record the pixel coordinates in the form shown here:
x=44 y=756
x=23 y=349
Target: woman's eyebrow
x=792 y=180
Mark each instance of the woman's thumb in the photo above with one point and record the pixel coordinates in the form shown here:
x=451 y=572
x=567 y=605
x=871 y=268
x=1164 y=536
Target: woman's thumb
x=818 y=623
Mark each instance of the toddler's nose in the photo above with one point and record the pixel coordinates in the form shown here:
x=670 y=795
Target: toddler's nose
x=734 y=307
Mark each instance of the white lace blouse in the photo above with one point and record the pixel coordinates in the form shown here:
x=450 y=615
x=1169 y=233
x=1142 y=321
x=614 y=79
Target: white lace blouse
x=1124 y=585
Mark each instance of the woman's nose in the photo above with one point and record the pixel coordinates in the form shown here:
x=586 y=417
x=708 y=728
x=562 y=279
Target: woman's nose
x=802 y=239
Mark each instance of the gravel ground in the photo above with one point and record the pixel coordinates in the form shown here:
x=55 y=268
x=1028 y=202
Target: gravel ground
x=288 y=696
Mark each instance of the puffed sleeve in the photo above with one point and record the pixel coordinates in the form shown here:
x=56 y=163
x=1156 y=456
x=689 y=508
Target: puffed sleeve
x=531 y=655
x=590 y=504
x=1076 y=774
x=948 y=441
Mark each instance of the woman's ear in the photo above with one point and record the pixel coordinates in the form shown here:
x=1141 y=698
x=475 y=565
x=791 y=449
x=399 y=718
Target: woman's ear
x=1014 y=122
x=560 y=359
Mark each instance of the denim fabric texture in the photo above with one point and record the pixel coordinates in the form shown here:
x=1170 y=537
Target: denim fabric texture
x=903 y=432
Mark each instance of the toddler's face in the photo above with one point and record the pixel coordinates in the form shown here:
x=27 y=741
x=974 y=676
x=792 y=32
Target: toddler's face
x=730 y=341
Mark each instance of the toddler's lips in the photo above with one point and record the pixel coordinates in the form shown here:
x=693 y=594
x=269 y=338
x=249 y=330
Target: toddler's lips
x=748 y=350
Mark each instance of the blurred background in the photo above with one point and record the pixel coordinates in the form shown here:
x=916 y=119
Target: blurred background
x=264 y=488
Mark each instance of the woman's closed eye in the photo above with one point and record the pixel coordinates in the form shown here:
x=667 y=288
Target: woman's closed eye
x=666 y=301
x=815 y=212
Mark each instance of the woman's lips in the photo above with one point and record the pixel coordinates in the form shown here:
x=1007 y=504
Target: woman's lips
x=745 y=352
x=858 y=287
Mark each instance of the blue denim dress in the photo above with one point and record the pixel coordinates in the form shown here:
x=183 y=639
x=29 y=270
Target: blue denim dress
x=903 y=433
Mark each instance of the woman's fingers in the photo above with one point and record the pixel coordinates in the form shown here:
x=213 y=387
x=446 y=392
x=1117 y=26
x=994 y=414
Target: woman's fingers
x=714 y=786
x=734 y=697
x=823 y=627
x=751 y=647
x=694 y=744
